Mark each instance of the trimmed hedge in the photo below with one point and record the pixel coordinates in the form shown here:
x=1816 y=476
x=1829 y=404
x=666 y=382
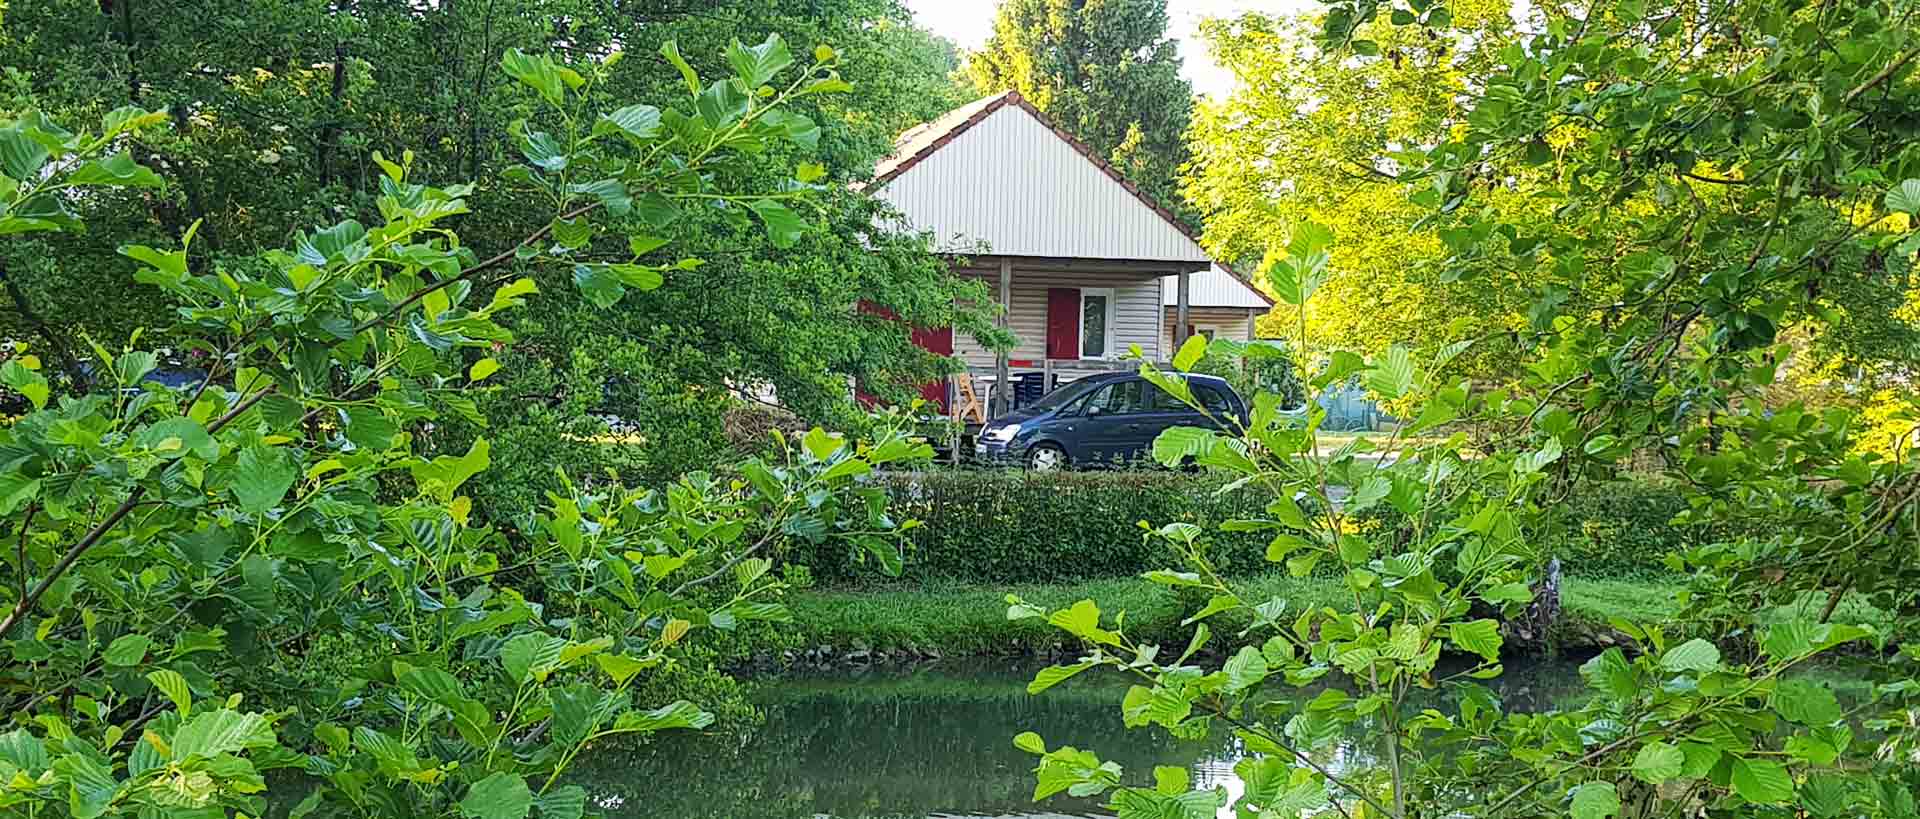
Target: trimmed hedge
x=1008 y=526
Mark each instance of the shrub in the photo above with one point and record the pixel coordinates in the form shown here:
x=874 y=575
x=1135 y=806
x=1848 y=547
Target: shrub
x=982 y=526
x=1008 y=526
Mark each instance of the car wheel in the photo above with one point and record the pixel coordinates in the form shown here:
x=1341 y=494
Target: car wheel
x=1046 y=458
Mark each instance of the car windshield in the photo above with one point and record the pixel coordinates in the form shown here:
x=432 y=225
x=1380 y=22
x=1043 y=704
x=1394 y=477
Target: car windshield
x=1061 y=397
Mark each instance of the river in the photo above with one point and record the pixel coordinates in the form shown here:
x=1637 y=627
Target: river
x=935 y=742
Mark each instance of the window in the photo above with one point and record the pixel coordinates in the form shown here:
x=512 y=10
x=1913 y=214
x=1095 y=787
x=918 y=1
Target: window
x=1096 y=323
x=1209 y=332
x=1120 y=398
x=1211 y=398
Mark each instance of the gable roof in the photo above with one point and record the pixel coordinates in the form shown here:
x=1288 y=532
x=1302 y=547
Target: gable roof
x=1024 y=163
x=1220 y=286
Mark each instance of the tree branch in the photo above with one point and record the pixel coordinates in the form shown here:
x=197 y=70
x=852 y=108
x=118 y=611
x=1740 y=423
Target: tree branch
x=1884 y=75
x=496 y=260
x=93 y=536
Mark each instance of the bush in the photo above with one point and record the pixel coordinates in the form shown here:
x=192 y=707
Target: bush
x=1625 y=529
x=983 y=526
x=1007 y=526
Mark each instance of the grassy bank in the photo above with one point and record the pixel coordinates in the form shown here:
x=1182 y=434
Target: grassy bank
x=955 y=619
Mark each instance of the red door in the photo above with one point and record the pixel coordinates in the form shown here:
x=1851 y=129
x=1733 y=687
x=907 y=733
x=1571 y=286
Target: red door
x=935 y=340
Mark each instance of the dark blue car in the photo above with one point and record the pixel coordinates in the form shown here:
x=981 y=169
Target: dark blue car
x=1109 y=418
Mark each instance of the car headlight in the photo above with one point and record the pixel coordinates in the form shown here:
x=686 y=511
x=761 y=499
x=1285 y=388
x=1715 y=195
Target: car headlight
x=1003 y=434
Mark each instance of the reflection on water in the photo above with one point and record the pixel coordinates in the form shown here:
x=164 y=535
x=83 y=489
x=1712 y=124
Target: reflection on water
x=936 y=742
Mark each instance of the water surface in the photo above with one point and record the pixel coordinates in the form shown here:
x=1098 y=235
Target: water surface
x=933 y=743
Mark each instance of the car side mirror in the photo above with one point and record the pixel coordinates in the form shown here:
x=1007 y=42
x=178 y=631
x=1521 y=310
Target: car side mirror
x=1095 y=411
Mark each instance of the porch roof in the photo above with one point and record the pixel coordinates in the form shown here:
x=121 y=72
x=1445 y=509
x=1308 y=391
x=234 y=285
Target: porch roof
x=1219 y=286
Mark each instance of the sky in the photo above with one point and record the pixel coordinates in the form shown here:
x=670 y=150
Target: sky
x=969 y=22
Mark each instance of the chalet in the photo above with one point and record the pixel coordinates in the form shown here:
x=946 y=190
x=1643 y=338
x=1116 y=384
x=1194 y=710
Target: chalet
x=1085 y=264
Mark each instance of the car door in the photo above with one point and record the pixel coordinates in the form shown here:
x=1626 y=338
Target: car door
x=1113 y=423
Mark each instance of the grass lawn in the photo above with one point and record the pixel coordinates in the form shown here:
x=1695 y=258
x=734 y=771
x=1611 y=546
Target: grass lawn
x=958 y=618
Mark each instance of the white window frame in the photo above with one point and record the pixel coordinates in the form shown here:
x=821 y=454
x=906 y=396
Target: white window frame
x=1081 y=319
x=1207 y=328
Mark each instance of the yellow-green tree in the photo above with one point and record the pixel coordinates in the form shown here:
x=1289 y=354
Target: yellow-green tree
x=1306 y=139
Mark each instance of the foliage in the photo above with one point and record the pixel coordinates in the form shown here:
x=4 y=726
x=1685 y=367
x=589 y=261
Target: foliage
x=173 y=542
x=1106 y=72
x=1713 y=724
x=1009 y=526
x=277 y=114
x=1299 y=141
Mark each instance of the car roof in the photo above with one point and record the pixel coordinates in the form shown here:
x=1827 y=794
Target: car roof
x=1116 y=375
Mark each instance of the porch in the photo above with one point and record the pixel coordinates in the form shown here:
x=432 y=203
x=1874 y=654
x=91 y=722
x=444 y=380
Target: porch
x=1072 y=318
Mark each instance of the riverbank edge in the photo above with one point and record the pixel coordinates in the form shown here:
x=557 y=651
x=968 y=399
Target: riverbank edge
x=882 y=624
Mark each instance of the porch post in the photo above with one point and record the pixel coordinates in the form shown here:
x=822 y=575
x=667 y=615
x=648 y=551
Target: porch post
x=1002 y=398
x=1182 y=324
x=1253 y=326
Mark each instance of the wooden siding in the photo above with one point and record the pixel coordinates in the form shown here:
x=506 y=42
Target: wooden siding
x=1011 y=184
x=1231 y=322
x=1136 y=312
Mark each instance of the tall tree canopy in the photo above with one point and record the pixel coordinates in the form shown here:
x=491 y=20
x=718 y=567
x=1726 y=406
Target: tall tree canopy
x=277 y=110
x=1106 y=71
x=1399 y=133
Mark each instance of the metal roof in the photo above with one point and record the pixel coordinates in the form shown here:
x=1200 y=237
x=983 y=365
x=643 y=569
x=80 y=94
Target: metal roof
x=1217 y=287
x=997 y=173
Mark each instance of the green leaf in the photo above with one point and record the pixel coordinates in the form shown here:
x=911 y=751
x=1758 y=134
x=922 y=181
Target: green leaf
x=26 y=382
x=1610 y=673
x=1082 y=620
x=1054 y=675
x=481 y=369
x=1392 y=375
x=1905 y=197
x=681 y=714
x=91 y=787
x=1806 y=702
x=1175 y=445
x=566 y=802
x=1481 y=637
x=182 y=436
x=527 y=653
x=1596 y=800
x=599 y=283
x=21 y=156
x=1245 y=669
x=1026 y=741
x=635 y=122
x=175 y=687
x=1692 y=655
x=262 y=477
x=784 y=227
x=1191 y=351
x=118 y=170
x=1762 y=782
x=671 y=51
x=128 y=649
x=500 y=796
x=538 y=73
x=757 y=65
x=1658 y=762
x=16 y=490
x=212 y=733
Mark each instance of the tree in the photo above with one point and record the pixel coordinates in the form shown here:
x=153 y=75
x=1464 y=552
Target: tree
x=1105 y=71
x=1303 y=140
x=277 y=113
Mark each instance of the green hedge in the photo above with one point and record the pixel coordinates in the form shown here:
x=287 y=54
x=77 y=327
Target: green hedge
x=1625 y=529
x=1008 y=526
x=1018 y=527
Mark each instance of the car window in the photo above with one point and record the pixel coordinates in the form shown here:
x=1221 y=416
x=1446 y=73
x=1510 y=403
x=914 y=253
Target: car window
x=1213 y=399
x=1118 y=398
